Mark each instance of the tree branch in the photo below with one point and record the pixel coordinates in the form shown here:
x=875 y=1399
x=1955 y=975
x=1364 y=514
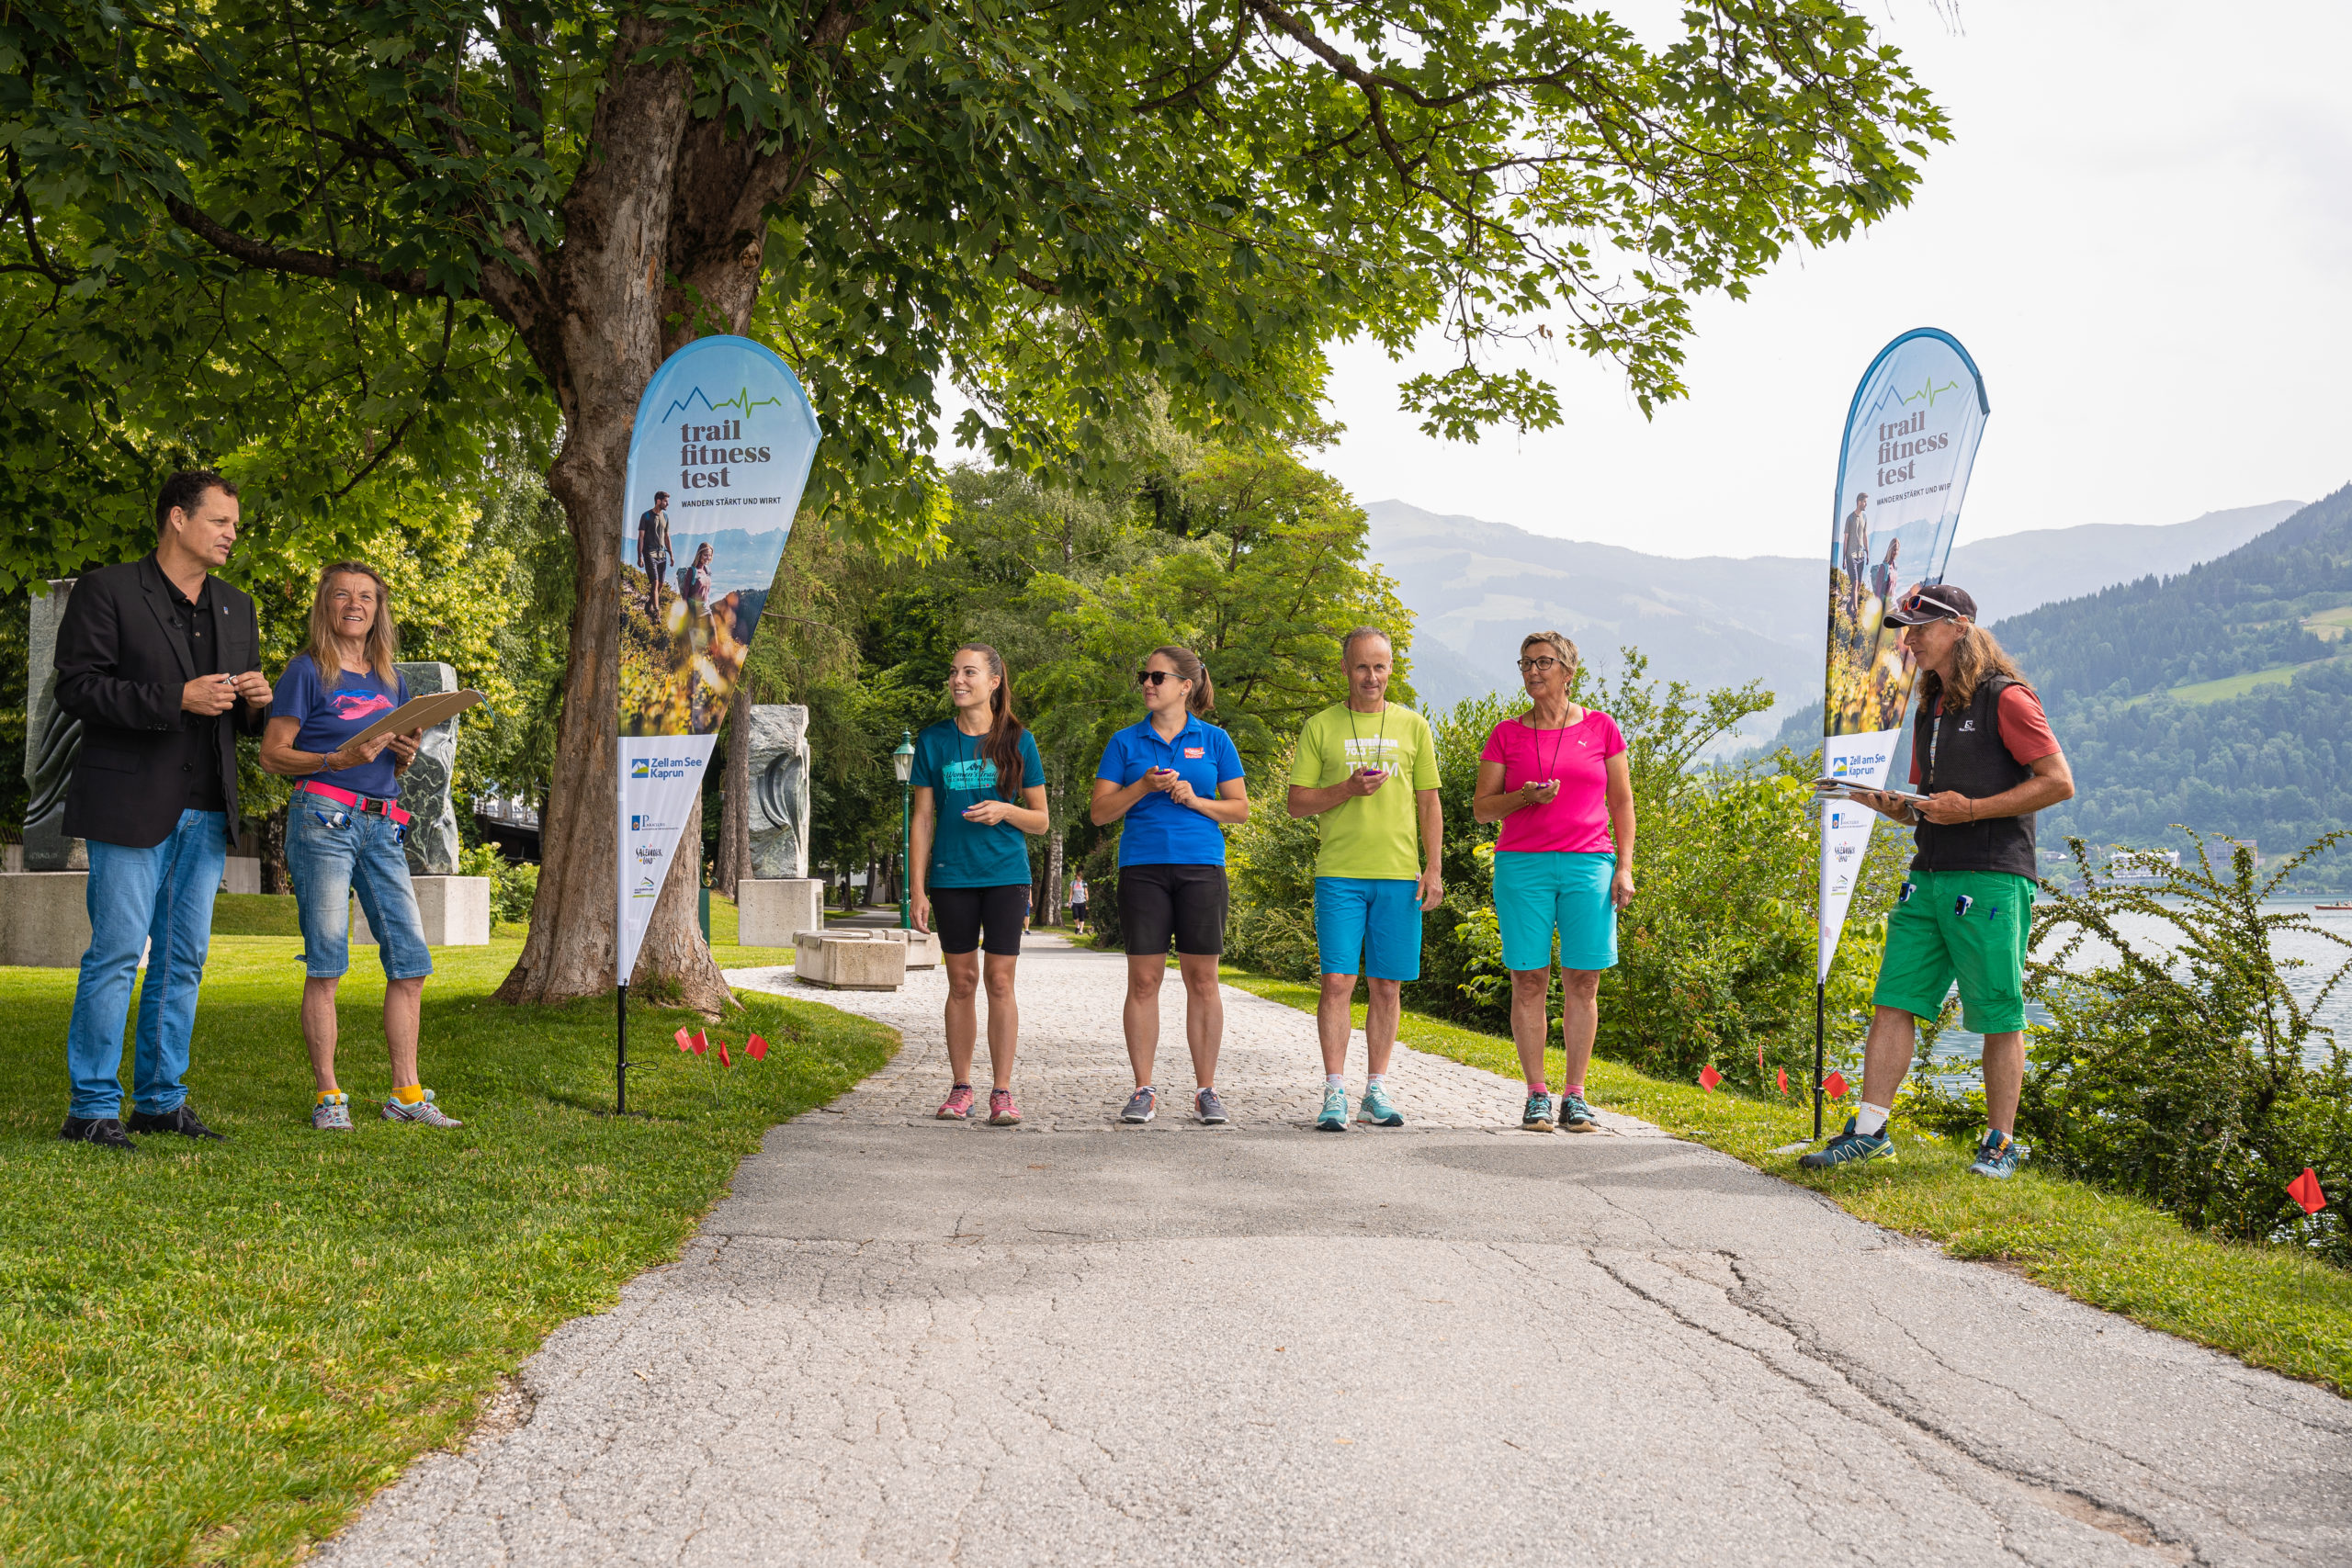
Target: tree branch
x=298 y=264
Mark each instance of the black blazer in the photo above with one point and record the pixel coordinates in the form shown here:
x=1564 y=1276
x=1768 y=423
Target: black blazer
x=120 y=665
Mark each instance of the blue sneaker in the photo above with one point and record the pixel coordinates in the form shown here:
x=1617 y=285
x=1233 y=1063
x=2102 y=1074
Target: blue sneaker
x=1997 y=1155
x=1575 y=1116
x=1850 y=1147
x=1537 y=1117
x=1335 y=1110
x=1377 y=1107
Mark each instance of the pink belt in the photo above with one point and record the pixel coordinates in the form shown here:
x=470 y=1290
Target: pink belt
x=358 y=802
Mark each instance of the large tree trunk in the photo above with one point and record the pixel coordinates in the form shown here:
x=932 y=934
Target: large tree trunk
x=733 y=860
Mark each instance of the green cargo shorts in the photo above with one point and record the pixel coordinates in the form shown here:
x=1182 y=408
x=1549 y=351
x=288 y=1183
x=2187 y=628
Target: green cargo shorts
x=1969 y=926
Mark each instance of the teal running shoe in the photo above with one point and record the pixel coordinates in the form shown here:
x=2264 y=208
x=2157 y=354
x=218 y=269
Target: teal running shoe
x=1335 y=1110
x=1377 y=1109
x=1575 y=1116
x=1997 y=1155
x=1537 y=1117
x=1850 y=1147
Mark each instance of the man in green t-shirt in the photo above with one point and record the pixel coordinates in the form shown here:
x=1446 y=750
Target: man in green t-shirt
x=1369 y=769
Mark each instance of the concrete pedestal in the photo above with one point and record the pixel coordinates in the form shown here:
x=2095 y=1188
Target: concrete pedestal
x=850 y=960
x=772 y=910
x=454 y=911
x=44 y=918
x=240 y=874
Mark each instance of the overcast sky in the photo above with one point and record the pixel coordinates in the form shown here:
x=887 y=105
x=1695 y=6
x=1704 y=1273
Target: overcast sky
x=2142 y=231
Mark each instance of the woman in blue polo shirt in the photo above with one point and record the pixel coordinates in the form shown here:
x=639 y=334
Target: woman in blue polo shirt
x=971 y=864
x=1176 y=780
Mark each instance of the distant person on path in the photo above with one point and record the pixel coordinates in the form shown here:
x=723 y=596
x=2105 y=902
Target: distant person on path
x=1077 y=904
x=1368 y=769
x=971 y=864
x=1175 y=780
x=344 y=832
x=1856 y=550
x=1984 y=759
x=1557 y=779
x=160 y=661
x=653 y=552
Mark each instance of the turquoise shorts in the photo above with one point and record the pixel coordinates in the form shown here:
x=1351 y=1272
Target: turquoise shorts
x=1369 y=925
x=1538 y=891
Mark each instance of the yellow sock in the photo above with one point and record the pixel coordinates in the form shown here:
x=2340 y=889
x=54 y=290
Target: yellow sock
x=327 y=1094
x=410 y=1095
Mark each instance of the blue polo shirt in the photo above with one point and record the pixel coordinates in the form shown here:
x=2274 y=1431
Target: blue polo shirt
x=1158 y=831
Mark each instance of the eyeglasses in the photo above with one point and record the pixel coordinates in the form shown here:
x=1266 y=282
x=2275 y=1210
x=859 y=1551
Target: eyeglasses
x=1539 y=665
x=1153 y=677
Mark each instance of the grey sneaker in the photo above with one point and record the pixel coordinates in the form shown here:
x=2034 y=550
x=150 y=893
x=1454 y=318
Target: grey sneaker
x=423 y=1111
x=332 y=1114
x=1209 y=1108
x=1141 y=1107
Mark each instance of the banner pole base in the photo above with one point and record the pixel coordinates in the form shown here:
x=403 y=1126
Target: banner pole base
x=1820 y=1030
x=620 y=1070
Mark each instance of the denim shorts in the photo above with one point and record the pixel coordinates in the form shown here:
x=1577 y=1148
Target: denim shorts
x=1539 y=892
x=332 y=854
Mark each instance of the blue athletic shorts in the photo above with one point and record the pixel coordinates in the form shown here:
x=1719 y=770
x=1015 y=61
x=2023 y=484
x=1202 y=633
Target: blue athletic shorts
x=1538 y=891
x=1369 y=925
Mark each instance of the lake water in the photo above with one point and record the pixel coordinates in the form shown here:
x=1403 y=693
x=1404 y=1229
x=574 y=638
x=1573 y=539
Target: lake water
x=1958 y=1052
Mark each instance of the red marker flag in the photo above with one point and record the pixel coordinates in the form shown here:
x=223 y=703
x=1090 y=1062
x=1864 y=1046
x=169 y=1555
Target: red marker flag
x=1834 y=1085
x=701 y=1044
x=756 y=1048
x=724 y=1059
x=1709 y=1078
x=684 y=1042
x=2304 y=1189
x=1782 y=1074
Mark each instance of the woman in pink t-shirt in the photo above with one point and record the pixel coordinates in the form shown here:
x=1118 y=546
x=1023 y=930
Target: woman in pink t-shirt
x=1555 y=776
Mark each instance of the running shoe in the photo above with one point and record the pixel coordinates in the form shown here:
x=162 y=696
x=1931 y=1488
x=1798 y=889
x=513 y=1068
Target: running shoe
x=1142 y=1107
x=1850 y=1147
x=1002 y=1112
x=332 y=1114
x=1575 y=1116
x=1209 y=1108
x=1335 y=1110
x=1537 y=1117
x=1375 y=1108
x=957 y=1106
x=423 y=1112
x=1997 y=1155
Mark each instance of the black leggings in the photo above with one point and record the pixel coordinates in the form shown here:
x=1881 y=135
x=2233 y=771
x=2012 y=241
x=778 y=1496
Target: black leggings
x=959 y=915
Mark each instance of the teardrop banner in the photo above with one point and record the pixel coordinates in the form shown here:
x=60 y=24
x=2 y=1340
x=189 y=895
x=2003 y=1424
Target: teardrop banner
x=716 y=463
x=1910 y=441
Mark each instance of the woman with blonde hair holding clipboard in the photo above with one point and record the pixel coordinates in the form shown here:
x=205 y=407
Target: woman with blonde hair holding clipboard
x=345 y=830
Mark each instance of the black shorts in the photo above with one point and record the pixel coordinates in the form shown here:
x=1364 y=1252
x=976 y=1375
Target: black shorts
x=1185 y=903
x=959 y=915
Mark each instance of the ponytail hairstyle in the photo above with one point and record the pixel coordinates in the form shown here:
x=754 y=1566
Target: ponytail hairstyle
x=1189 y=669
x=1002 y=744
x=383 y=643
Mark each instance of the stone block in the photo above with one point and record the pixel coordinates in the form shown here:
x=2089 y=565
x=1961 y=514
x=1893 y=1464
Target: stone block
x=52 y=738
x=922 y=947
x=772 y=912
x=44 y=918
x=425 y=788
x=240 y=874
x=778 y=809
x=850 y=960
x=454 y=911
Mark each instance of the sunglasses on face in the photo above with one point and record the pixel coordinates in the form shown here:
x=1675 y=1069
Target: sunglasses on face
x=1153 y=677
x=1539 y=665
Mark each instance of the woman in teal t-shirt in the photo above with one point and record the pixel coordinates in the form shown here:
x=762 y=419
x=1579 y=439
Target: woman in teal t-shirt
x=971 y=864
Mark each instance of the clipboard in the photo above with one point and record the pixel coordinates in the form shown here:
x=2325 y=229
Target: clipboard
x=419 y=713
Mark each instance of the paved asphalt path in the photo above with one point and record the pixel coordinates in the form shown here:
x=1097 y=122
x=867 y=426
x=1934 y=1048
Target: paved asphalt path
x=905 y=1342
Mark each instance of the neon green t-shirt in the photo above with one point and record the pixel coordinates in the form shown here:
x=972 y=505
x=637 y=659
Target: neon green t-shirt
x=1378 y=834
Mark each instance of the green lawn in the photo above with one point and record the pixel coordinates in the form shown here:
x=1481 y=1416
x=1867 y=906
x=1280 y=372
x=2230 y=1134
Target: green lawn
x=2270 y=1306
x=214 y=1353
x=2203 y=692
x=272 y=914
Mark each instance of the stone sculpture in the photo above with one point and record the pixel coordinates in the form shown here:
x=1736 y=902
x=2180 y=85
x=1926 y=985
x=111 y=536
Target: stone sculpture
x=779 y=804
x=53 y=738
x=425 y=788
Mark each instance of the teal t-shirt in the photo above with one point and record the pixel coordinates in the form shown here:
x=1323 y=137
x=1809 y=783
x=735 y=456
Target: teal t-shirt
x=965 y=853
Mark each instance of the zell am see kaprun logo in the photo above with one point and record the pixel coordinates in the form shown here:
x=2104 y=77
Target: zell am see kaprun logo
x=1856 y=766
x=709 y=454
x=662 y=767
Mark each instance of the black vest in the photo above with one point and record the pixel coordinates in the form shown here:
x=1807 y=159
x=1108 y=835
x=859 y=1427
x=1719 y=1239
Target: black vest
x=1969 y=759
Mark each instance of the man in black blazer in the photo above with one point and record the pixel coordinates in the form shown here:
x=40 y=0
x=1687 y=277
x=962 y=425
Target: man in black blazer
x=161 y=662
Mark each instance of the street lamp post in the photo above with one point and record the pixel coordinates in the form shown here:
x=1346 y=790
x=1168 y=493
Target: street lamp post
x=902 y=762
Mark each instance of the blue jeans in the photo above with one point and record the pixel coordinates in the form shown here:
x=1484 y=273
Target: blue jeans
x=160 y=897
x=332 y=852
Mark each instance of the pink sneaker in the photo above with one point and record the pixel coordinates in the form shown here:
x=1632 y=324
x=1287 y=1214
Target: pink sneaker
x=1002 y=1112
x=959 y=1105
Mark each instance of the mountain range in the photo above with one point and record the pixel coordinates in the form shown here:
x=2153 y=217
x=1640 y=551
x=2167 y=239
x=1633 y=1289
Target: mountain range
x=1475 y=587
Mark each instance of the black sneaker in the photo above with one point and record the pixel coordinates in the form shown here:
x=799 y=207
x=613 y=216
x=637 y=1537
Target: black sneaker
x=180 y=1120
x=103 y=1130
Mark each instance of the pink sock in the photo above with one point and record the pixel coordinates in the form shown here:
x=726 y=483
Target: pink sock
x=1577 y=1089
x=1538 y=1088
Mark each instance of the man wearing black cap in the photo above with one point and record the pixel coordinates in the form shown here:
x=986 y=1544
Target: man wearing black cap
x=1983 y=761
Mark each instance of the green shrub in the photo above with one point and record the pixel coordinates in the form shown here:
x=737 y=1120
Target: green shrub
x=512 y=886
x=2176 y=1071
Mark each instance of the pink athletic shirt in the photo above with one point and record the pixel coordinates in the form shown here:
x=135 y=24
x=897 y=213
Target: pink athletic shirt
x=1576 y=819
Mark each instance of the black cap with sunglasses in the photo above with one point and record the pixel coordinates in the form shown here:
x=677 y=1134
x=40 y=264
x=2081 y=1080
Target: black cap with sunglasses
x=1931 y=602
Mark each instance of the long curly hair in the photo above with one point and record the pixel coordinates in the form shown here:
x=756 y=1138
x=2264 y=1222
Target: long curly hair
x=1977 y=657
x=383 y=637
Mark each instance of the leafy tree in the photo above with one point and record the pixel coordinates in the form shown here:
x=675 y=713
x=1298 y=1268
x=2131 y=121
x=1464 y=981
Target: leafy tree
x=1064 y=210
